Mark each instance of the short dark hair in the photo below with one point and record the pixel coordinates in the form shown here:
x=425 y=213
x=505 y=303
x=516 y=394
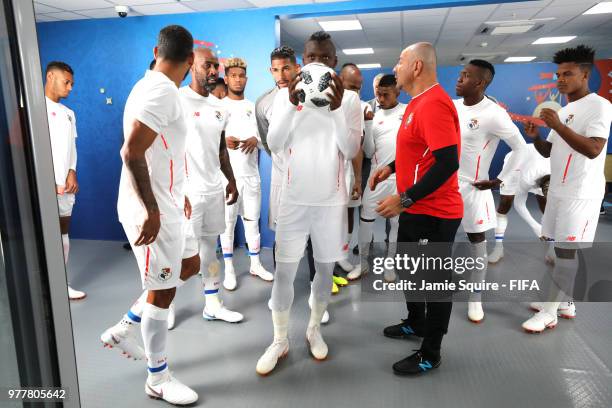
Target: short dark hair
x=220 y=81
x=349 y=64
x=62 y=66
x=283 y=52
x=387 y=80
x=174 y=43
x=485 y=65
x=582 y=55
x=319 y=37
x=152 y=64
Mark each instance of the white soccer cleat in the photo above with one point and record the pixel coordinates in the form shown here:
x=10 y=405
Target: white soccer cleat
x=75 y=294
x=345 y=265
x=540 y=322
x=124 y=338
x=566 y=310
x=229 y=282
x=170 y=389
x=497 y=254
x=389 y=275
x=261 y=272
x=171 y=316
x=358 y=271
x=475 y=312
x=316 y=344
x=222 y=314
x=268 y=361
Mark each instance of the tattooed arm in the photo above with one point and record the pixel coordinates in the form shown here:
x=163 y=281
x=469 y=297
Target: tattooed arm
x=137 y=141
x=226 y=169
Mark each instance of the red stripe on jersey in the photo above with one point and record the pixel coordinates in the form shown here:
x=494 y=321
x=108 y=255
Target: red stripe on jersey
x=487 y=207
x=569 y=159
x=172 y=178
x=477 y=169
x=147 y=262
x=339 y=168
x=186 y=169
x=164 y=141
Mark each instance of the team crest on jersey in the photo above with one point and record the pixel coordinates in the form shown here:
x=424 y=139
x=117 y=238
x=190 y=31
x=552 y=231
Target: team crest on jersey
x=219 y=116
x=381 y=122
x=165 y=274
x=409 y=119
x=249 y=113
x=569 y=119
x=473 y=125
x=197 y=114
x=52 y=113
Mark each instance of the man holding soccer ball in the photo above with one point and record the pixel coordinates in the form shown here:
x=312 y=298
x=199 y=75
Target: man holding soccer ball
x=315 y=141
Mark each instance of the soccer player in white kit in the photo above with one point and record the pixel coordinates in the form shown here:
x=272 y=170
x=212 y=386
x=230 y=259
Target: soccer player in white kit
x=152 y=208
x=243 y=143
x=316 y=142
x=63 y=134
x=379 y=144
x=483 y=124
x=576 y=146
x=514 y=192
x=207 y=160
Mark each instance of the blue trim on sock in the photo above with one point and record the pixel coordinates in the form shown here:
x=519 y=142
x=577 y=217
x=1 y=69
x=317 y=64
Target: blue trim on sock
x=158 y=369
x=253 y=253
x=133 y=317
x=228 y=255
x=211 y=291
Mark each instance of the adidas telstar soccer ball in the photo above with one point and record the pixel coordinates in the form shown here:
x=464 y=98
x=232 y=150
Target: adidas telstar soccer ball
x=314 y=86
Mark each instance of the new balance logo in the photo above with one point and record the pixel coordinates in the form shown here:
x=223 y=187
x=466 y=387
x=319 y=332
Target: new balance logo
x=426 y=365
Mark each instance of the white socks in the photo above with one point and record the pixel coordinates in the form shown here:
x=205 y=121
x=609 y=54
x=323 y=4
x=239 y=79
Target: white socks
x=282 y=289
x=154 y=333
x=280 y=320
x=520 y=206
x=478 y=250
x=562 y=284
x=366 y=232
x=209 y=265
x=134 y=315
x=251 y=233
x=500 y=229
x=66 y=247
x=392 y=249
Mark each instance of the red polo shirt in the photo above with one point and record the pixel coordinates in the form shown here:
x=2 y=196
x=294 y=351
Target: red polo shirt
x=429 y=123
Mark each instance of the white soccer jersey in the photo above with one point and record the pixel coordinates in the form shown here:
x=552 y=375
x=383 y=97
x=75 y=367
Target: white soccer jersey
x=573 y=175
x=534 y=167
x=206 y=120
x=62 y=131
x=380 y=142
x=241 y=123
x=482 y=127
x=316 y=143
x=155 y=102
x=278 y=162
x=355 y=123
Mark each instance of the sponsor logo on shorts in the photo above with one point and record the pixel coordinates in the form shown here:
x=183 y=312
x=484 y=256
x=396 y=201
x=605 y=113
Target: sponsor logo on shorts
x=409 y=119
x=345 y=247
x=571 y=238
x=165 y=274
x=480 y=222
x=569 y=119
x=196 y=114
x=473 y=124
x=300 y=107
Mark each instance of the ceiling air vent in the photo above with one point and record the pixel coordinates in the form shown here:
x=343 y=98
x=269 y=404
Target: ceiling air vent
x=511 y=26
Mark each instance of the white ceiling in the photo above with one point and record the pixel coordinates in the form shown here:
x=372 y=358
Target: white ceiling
x=454 y=31
x=57 y=10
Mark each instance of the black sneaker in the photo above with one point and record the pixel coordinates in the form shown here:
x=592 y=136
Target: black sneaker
x=416 y=364
x=401 y=331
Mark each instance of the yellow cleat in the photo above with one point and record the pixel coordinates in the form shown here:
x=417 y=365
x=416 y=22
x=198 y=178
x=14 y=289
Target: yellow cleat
x=335 y=289
x=340 y=281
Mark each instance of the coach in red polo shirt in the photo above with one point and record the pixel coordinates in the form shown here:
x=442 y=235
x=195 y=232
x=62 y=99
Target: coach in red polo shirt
x=426 y=163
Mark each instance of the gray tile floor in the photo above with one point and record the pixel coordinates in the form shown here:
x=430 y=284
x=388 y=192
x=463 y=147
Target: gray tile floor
x=493 y=364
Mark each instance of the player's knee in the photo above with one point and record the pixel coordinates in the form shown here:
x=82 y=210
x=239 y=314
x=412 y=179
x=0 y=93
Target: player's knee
x=161 y=298
x=505 y=203
x=190 y=267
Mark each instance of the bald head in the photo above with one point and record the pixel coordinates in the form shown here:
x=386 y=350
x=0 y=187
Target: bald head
x=351 y=77
x=416 y=69
x=205 y=69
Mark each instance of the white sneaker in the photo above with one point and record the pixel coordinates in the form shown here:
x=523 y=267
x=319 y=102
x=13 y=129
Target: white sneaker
x=325 y=318
x=277 y=350
x=566 y=310
x=359 y=270
x=345 y=265
x=169 y=389
x=75 y=294
x=124 y=338
x=389 y=275
x=540 y=322
x=171 y=316
x=475 y=312
x=497 y=254
x=229 y=282
x=260 y=271
x=222 y=314
x=270 y=304
x=316 y=344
